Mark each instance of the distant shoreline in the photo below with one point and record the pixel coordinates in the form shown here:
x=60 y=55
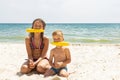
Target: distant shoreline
x=63 y=23
x=71 y=44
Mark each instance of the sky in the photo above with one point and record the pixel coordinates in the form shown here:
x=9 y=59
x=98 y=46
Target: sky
x=60 y=11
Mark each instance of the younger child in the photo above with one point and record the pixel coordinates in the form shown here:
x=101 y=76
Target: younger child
x=59 y=57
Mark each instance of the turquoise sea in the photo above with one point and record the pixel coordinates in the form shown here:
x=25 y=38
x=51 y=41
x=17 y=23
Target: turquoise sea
x=107 y=33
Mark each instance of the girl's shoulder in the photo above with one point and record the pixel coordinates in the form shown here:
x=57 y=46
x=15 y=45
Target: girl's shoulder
x=45 y=38
x=27 y=39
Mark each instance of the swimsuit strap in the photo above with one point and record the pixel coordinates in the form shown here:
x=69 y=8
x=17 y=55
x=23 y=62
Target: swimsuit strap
x=33 y=44
x=41 y=45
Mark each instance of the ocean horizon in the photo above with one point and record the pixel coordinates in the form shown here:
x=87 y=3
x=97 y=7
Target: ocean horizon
x=76 y=33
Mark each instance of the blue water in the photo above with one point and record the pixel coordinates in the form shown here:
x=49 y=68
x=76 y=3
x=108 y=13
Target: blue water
x=73 y=33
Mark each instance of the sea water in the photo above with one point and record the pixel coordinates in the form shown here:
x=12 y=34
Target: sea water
x=73 y=32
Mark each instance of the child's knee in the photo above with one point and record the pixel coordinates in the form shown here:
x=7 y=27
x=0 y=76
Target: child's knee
x=64 y=74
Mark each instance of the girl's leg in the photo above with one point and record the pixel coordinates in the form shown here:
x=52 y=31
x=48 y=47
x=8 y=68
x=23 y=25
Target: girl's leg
x=43 y=65
x=24 y=68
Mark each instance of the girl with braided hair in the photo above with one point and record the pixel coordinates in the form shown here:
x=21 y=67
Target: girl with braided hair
x=36 y=47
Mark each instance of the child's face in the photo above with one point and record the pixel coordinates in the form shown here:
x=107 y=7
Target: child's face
x=57 y=38
x=38 y=25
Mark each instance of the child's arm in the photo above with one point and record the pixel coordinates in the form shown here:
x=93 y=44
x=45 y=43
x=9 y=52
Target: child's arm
x=51 y=59
x=68 y=56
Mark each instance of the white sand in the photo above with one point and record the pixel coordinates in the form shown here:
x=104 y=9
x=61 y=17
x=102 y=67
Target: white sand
x=91 y=62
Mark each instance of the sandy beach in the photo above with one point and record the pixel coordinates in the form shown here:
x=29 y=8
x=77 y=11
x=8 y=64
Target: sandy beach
x=89 y=62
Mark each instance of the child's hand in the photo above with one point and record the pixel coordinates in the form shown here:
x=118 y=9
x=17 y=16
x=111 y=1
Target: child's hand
x=58 y=64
